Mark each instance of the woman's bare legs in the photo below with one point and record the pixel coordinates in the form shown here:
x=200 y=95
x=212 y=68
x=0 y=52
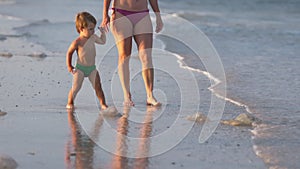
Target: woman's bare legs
x=143 y=37
x=124 y=48
x=122 y=30
x=144 y=44
x=78 y=77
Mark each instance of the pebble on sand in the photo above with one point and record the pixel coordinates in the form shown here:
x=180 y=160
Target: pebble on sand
x=7 y=162
x=2 y=113
x=40 y=55
x=6 y=54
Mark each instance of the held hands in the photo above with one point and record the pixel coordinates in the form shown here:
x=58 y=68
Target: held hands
x=105 y=24
x=102 y=30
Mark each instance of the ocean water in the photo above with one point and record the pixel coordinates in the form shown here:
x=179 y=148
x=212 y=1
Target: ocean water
x=257 y=42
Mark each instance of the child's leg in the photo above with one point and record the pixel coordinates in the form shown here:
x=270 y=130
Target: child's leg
x=77 y=83
x=96 y=82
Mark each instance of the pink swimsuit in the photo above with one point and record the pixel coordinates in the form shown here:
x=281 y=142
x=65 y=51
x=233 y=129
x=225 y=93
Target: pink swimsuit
x=133 y=16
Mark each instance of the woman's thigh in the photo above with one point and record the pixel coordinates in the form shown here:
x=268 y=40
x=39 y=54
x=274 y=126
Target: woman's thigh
x=122 y=30
x=143 y=37
x=144 y=44
x=144 y=26
x=120 y=26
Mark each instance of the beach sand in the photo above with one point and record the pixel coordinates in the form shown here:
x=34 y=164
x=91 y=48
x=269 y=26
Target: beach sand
x=38 y=132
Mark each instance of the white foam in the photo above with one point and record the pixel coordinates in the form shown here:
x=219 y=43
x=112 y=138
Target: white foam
x=8 y=17
x=214 y=79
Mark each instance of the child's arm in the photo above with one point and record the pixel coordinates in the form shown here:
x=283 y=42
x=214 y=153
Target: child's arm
x=102 y=38
x=69 y=55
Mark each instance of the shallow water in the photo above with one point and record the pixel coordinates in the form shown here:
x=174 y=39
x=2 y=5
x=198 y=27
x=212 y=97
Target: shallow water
x=258 y=44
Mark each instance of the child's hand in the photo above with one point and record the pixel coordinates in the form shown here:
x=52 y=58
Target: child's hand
x=71 y=69
x=74 y=71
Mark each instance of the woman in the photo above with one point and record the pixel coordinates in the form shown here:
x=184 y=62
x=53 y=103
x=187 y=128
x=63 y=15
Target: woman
x=130 y=20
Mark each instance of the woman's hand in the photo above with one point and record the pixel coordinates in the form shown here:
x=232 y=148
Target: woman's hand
x=159 y=23
x=105 y=23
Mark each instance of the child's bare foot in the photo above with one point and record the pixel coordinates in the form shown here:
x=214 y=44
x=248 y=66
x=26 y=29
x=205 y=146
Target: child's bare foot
x=70 y=106
x=103 y=107
x=152 y=102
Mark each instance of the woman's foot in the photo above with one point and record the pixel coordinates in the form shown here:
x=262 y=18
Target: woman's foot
x=152 y=102
x=128 y=103
x=127 y=100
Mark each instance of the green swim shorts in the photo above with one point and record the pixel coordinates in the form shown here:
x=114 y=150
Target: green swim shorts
x=87 y=70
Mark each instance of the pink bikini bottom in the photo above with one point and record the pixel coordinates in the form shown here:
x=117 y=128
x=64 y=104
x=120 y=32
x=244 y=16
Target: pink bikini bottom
x=133 y=16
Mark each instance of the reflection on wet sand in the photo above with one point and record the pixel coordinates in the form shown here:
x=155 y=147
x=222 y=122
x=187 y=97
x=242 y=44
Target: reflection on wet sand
x=79 y=153
x=144 y=144
x=120 y=161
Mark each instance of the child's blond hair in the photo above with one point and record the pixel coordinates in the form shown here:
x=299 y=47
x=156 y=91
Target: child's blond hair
x=82 y=20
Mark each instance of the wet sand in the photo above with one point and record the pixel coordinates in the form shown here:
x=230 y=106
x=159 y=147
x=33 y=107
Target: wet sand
x=38 y=132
